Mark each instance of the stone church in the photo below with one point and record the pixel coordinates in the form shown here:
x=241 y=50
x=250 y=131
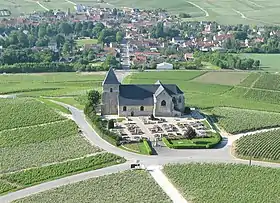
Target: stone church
x=140 y=100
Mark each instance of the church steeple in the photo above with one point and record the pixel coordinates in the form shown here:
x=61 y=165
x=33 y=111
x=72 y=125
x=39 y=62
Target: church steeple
x=111 y=78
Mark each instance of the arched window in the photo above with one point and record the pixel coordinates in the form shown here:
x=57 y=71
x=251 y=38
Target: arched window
x=180 y=99
x=111 y=89
x=142 y=108
x=163 y=103
x=124 y=108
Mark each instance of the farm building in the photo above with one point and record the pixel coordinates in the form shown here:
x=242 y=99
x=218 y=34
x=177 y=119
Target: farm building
x=164 y=66
x=140 y=100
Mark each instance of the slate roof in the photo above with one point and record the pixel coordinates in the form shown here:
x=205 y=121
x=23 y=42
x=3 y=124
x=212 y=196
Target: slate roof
x=111 y=78
x=135 y=95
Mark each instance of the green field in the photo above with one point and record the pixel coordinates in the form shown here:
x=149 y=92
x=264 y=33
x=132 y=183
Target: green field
x=262 y=146
x=269 y=62
x=130 y=186
x=227 y=183
x=82 y=42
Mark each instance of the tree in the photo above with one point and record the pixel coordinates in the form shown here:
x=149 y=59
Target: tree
x=257 y=64
x=93 y=97
x=111 y=61
x=119 y=36
x=65 y=28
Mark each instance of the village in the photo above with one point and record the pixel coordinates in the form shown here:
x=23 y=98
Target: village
x=146 y=39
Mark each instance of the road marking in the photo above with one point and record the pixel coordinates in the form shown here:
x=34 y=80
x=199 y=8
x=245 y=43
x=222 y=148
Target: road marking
x=242 y=15
x=165 y=184
x=206 y=13
x=42 y=6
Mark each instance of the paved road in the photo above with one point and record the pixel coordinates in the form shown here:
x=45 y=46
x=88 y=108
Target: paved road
x=165 y=156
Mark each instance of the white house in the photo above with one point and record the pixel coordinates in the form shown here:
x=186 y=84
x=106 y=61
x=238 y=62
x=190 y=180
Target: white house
x=164 y=66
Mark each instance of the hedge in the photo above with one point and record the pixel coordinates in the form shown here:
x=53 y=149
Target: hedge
x=218 y=139
x=148 y=147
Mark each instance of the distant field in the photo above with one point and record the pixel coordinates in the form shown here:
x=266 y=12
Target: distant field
x=223 y=11
x=125 y=187
x=269 y=62
x=204 y=95
x=227 y=183
x=222 y=78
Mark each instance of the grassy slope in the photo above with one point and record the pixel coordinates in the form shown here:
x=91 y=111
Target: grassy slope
x=130 y=186
x=215 y=183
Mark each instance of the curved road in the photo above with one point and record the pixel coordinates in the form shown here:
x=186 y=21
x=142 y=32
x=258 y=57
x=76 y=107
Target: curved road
x=165 y=156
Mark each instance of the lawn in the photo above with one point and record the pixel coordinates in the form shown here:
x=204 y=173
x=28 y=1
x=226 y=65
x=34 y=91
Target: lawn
x=195 y=143
x=136 y=147
x=222 y=78
x=82 y=42
x=235 y=120
x=227 y=183
x=50 y=84
x=262 y=146
x=269 y=62
x=129 y=186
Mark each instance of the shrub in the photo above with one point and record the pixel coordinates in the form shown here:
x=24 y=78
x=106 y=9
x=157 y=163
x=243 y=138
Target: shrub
x=111 y=124
x=148 y=147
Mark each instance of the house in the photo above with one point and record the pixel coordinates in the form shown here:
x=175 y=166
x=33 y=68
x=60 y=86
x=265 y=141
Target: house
x=140 y=100
x=177 y=40
x=164 y=66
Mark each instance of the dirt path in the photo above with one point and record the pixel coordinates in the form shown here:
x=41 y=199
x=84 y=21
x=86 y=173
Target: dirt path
x=197 y=6
x=241 y=14
x=166 y=185
x=233 y=138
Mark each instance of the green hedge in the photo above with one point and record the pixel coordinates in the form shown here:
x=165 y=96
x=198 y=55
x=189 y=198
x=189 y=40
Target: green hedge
x=148 y=147
x=218 y=139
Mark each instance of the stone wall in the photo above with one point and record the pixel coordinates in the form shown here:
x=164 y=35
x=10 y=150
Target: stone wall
x=148 y=110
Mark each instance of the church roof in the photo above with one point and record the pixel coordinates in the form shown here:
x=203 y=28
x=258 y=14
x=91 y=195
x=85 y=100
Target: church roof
x=143 y=94
x=111 y=78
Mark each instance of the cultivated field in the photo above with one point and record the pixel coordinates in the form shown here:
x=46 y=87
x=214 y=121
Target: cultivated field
x=227 y=183
x=222 y=78
x=262 y=146
x=269 y=82
x=235 y=120
x=130 y=186
x=38 y=143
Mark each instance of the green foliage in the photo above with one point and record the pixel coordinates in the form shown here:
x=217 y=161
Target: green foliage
x=37 y=175
x=147 y=147
x=241 y=120
x=111 y=188
x=261 y=146
x=184 y=15
x=93 y=97
x=111 y=124
x=25 y=112
x=215 y=183
x=226 y=61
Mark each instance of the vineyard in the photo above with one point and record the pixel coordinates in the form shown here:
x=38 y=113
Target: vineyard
x=250 y=80
x=37 y=175
x=242 y=120
x=227 y=183
x=17 y=113
x=268 y=81
x=130 y=186
x=263 y=146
